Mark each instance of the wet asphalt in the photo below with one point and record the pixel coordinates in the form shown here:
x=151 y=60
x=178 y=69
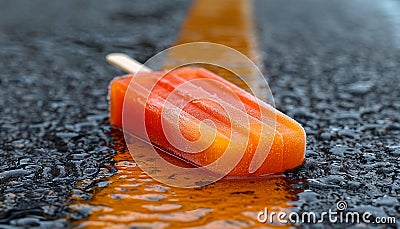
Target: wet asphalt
x=333 y=66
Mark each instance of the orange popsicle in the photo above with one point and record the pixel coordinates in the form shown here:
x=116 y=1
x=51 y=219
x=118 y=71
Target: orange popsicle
x=207 y=97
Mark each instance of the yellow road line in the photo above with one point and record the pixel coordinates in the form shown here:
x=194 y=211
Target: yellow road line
x=227 y=22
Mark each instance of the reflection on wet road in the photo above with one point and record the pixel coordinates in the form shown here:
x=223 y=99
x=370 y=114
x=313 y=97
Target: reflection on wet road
x=131 y=198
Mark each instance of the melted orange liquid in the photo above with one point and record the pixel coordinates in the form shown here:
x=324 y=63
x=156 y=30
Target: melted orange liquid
x=133 y=199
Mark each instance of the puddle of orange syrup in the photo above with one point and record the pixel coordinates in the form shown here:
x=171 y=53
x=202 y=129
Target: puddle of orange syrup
x=133 y=199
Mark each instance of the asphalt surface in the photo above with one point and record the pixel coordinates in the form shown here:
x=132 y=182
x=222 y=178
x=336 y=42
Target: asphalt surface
x=333 y=66
x=53 y=97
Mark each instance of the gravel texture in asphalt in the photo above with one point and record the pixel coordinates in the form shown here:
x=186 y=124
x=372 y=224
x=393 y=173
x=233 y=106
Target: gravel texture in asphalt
x=53 y=94
x=333 y=66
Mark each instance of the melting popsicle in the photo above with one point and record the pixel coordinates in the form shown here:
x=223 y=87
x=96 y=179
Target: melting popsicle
x=189 y=105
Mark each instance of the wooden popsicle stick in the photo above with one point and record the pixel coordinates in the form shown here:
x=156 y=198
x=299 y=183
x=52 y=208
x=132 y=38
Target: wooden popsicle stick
x=126 y=63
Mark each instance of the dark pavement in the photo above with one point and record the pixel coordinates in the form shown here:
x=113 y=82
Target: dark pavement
x=334 y=67
x=53 y=97
x=331 y=65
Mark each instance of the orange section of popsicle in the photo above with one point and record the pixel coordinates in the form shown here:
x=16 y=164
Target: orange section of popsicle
x=288 y=145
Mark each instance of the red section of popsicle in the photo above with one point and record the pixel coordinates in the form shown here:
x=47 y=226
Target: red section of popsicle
x=288 y=142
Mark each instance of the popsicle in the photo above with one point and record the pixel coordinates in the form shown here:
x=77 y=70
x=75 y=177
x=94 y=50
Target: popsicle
x=262 y=124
